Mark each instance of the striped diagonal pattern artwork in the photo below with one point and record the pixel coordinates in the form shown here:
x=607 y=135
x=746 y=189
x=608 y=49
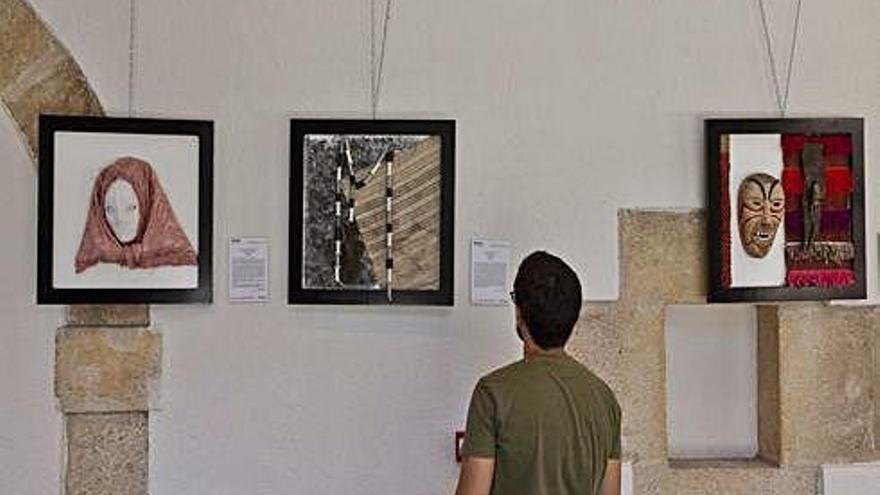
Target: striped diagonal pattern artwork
x=414 y=218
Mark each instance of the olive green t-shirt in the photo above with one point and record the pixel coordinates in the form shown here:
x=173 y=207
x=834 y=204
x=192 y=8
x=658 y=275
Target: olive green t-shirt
x=550 y=424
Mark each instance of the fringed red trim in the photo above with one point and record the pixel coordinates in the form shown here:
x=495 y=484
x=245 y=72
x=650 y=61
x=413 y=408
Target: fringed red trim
x=725 y=220
x=818 y=265
x=820 y=278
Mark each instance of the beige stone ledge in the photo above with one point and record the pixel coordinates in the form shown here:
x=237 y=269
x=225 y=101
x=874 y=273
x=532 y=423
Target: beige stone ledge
x=107 y=454
x=753 y=463
x=827 y=374
x=769 y=414
x=742 y=480
x=109 y=315
x=625 y=345
x=598 y=344
x=877 y=391
x=107 y=369
x=663 y=256
x=649 y=478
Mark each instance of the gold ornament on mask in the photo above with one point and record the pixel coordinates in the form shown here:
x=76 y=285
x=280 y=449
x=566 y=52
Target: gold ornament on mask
x=761 y=208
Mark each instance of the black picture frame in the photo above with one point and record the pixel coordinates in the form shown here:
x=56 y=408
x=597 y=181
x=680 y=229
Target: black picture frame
x=299 y=129
x=49 y=127
x=714 y=130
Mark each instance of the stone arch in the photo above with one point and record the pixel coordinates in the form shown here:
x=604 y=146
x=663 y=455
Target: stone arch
x=37 y=73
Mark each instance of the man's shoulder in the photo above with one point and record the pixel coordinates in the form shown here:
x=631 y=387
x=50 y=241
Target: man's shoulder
x=597 y=383
x=503 y=374
x=520 y=372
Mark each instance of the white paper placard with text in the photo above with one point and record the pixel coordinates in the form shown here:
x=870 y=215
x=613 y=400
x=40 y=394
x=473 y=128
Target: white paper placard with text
x=489 y=265
x=248 y=269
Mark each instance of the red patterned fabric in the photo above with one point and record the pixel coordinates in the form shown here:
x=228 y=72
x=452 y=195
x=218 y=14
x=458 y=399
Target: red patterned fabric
x=821 y=278
x=836 y=223
x=834 y=226
x=832 y=144
x=725 y=220
x=838 y=181
x=160 y=240
x=792 y=182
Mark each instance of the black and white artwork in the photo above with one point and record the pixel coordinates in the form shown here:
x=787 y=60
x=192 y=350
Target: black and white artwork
x=371 y=211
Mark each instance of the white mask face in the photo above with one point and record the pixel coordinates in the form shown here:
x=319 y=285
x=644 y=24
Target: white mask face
x=122 y=210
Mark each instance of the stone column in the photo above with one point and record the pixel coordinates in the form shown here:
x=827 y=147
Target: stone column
x=107 y=368
x=107 y=359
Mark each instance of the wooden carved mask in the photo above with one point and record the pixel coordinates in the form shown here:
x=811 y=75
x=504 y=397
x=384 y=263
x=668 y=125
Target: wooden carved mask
x=761 y=208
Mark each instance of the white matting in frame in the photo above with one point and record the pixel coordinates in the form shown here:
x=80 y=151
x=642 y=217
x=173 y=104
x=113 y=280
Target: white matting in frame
x=751 y=154
x=79 y=159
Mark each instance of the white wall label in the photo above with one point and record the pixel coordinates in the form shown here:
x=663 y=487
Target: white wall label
x=489 y=264
x=248 y=269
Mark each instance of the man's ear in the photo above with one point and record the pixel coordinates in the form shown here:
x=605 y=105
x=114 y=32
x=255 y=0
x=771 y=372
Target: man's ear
x=521 y=326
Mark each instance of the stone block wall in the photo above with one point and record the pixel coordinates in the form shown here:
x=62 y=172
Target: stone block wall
x=817 y=377
x=107 y=374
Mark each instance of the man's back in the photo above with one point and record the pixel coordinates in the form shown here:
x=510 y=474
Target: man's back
x=549 y=423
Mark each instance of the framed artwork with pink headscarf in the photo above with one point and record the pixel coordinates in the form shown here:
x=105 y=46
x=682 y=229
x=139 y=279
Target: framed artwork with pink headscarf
x=786 y=209
x=125 y=211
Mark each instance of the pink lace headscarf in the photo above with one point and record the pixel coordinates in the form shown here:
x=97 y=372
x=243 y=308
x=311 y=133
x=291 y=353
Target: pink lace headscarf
x=160 y=241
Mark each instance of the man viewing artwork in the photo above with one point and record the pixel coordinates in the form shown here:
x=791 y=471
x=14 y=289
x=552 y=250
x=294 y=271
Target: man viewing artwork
x=543 y=425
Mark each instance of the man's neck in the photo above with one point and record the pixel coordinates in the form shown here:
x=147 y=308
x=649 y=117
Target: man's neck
x=531 y=349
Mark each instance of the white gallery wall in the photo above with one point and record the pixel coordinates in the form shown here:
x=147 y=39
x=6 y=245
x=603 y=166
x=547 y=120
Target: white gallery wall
x=567 y=111
x=30 y=423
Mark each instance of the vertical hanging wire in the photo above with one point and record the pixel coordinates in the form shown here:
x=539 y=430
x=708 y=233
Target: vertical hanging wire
x=373 y=57
x=376 y=74
x=781 y=94
x=794 y=39
x=131 y=55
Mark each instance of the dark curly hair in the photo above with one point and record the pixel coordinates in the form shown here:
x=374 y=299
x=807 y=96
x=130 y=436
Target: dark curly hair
x=548 y=294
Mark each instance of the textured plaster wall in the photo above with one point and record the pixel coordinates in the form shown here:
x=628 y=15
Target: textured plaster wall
x=567 y=111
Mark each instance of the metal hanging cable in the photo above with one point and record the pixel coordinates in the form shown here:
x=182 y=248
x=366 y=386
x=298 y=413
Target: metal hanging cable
x=132 y=21
x=376 y=72
x=781 y=94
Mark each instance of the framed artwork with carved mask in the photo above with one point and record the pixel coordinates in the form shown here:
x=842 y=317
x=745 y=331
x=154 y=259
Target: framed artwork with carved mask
x=786 y=209
x=125 y=211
